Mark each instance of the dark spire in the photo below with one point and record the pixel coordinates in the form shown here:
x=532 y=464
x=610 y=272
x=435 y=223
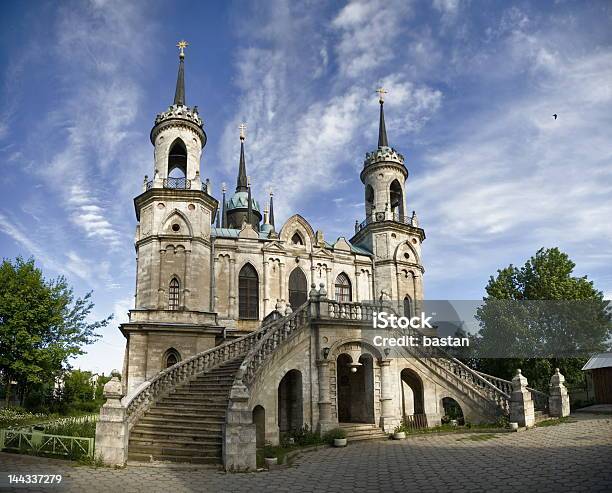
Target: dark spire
x=272 y=208
x=250 y=208
x=224 y=213
x=241 y=183
x=179 y=94
x=382 y=130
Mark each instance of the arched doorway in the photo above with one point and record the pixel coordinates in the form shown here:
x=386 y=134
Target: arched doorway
x=355 y=389
x=298 y=288
x=290 y=403
x=259 y=420
x=452 y=411
x=171 y=357
x=413 y=399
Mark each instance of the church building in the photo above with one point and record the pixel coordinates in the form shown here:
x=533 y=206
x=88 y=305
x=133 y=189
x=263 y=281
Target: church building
x=210 y=269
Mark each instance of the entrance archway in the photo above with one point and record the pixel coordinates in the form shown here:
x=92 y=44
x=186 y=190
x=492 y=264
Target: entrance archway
x=452 y=411
x=355 y=389
x=290 y=402
x=413 y=401
x=259 y=419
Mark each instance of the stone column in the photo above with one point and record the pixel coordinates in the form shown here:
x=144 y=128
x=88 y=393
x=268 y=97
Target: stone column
x=232 y=289
x=357 y=274
x=388 y=422
x=328 y=287
x=281 y=278
x=213 y=299
x=325 y=417
x=112 y=428
x=239 y=433
x=185 y=283
x=558 y=400
x=521 y=403
x=313 y=274
x=266 y=289
x=160 y=290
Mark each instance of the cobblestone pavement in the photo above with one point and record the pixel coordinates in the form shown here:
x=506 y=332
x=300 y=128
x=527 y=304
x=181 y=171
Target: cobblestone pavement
x=569 y=457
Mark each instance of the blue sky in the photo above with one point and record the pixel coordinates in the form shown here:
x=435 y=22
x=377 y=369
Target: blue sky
x=472 y=87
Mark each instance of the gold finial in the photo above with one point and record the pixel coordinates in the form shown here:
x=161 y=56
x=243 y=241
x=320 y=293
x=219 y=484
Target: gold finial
x=242 y=128
x=223 y=189
x=381 y=94
x=181 y=45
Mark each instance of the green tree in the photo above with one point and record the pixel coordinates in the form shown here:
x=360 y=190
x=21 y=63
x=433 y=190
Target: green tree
x=541 y=317
x=42 y=326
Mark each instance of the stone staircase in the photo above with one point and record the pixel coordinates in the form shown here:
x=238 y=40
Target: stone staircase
x=356 y=432
x=186 y=425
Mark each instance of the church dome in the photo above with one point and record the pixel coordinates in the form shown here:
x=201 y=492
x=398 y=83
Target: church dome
x=240 y=200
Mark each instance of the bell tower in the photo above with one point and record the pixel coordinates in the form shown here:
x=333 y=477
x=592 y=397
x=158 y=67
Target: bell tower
x=174 y=213
x=393 y=236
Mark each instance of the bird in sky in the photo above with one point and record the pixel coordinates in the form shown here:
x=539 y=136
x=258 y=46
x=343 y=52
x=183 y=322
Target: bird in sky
x=555 y=115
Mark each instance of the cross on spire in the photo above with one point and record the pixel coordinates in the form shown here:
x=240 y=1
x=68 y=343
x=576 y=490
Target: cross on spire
x=181 y=45
x=242 y=128
x=381 y=94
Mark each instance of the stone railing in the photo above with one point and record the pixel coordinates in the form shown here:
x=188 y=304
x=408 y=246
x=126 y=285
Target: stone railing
x=277 y=333
x=348 y=310
x=387 y=216
x=540 y=399
x=151 y=391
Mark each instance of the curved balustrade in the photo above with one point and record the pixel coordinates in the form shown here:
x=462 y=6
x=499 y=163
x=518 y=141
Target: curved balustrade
x=540 y=399
x=185 y=370
x=278 y=332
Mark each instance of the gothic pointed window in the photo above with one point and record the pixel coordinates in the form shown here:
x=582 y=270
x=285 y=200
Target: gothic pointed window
x=248 y=293
x=343 y=288
x=296 y=239
x=407 y=306
x=298 y=288
x=173 y=294
x=171 y=358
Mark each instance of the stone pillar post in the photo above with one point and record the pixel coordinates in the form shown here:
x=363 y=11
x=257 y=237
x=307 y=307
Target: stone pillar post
x=239 y=434
x=266 y=289
x=232 y=289
x=388 y=422
x=357 y=274
x=521 y=403
x=112 y=428
x=185 y=281
x=281 y=278
x=325 y=417
x=558 y=400
x=313 y=274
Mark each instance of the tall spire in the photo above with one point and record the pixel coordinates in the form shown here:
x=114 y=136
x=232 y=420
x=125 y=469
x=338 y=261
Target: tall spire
x=179 y=94
x=382 y=130
x=241 y=183
x=224 y=212
x=271 y=208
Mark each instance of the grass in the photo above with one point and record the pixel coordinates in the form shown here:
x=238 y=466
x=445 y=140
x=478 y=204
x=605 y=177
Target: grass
x=481 y=437
x=555 y=422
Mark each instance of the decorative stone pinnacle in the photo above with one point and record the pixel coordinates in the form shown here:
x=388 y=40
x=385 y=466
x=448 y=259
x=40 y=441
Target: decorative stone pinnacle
x=181 y=45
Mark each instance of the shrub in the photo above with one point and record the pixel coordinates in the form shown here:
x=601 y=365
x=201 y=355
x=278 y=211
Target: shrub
x=331 y=435
x=301 y=437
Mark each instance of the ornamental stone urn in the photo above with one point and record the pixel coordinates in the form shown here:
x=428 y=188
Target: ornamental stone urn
x=270 y=462
x=340 y=442
x=399 y=435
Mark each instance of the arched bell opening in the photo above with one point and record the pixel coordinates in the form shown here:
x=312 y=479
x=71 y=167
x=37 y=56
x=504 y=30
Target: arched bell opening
x=396 y=196
x=177 y=160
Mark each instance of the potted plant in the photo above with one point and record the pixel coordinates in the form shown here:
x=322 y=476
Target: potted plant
x=270 y=457
x=399 y=433
x=336 y=437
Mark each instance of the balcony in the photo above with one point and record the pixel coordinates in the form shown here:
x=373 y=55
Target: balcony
x=387 y=216
x=181 y=183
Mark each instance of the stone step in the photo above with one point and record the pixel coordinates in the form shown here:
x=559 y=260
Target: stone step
x=195 y=399
x=179 y=419
x=189 y=408
x=183 y=429
x=152 y=449
x=145 y=457
x=173 y=441
x=207 y=387
x=208 y=396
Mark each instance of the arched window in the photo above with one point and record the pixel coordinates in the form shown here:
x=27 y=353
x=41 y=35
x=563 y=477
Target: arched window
x=298 y=288
x=369 y=199
x=407 y=306
x=248 y=292
x=296 y=239
x=397 y=199
x=171 y=358
x=343 y=288
x=173 y=294
x=177 y=160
